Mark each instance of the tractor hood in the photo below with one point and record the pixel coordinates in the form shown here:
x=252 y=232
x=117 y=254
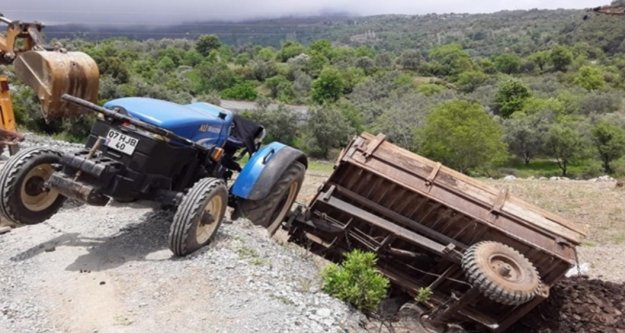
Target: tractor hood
x=203 y=123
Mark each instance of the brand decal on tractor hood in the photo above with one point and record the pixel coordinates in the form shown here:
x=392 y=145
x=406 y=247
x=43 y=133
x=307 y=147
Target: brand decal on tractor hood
x=210 y=128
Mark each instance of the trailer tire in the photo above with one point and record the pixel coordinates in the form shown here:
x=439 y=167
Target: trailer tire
x=24 y=198
x=198 y=216
x=501 y=273
x=275 y=206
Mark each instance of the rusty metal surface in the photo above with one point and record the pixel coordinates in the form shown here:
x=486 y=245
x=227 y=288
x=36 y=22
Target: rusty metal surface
x=420 y=217
x=53 y=74
x=75 y=190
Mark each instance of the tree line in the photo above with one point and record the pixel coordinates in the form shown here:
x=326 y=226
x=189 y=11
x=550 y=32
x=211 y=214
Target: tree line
x=557 y=107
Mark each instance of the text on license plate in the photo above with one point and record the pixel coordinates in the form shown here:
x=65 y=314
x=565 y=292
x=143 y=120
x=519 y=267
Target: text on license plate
x=121 y=142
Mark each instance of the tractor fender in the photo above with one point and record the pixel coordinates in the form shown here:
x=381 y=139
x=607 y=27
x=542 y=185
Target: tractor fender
x=264 y=169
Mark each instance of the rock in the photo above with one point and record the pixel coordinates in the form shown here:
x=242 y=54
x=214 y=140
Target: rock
x=411 y=310
x=577 y=270
x=324 y=312
x=4 y=230
x=509 y=178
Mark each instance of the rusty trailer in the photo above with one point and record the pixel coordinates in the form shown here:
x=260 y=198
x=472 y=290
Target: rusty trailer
x=487 y=256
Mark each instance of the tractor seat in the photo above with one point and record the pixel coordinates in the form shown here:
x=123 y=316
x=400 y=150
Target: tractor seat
x=244 y=134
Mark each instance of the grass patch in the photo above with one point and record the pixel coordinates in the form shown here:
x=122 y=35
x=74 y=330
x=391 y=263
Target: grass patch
x=320 y=166
x=314 y=165
x=283 y=299
x=249 y=254
x=549 y=168
x=618 y=238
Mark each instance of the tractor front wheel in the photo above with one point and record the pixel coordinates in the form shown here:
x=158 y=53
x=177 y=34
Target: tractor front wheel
x=198 y=217
x=24 y=198
x=270 y=211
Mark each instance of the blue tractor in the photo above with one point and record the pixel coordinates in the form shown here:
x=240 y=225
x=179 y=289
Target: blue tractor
x=182 y=156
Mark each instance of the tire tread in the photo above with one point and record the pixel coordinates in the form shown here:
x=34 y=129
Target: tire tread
x=9 y=175
x=491 y=289
x=190 y=210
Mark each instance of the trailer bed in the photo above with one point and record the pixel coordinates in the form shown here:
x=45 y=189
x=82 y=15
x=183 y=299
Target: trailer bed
x=420 y=218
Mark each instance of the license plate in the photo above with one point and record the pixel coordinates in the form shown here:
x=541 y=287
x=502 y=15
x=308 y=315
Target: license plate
x=121 y=142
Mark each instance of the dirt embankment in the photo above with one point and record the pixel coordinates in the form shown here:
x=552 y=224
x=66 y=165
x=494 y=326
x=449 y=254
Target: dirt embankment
x=579 y=304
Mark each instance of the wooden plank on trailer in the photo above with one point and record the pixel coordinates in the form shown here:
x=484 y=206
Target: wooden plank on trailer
x=421 y=168
x=404 y=158
x=527 y=233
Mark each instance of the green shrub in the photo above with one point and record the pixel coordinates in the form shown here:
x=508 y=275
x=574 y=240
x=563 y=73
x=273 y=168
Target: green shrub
x=356 y=280
x=423 y=294
x=429 y=89
x=241 y=91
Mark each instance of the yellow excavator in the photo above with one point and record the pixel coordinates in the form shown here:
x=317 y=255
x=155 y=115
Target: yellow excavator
x=49 y=71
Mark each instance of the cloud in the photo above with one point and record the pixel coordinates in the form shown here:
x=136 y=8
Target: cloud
x=166 y=12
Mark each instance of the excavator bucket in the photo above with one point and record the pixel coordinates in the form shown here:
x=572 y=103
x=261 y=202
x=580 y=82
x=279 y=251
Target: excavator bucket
x=54 y=73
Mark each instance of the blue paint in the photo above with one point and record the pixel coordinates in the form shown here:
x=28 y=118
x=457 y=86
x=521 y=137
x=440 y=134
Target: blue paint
x=244 y=184
x=199 y=122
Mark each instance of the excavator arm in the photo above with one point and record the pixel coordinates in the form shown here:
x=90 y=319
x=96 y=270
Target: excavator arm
x=20 y=37
x=51 y=72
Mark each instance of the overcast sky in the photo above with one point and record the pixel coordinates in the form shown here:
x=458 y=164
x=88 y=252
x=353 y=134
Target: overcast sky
x=175 y=11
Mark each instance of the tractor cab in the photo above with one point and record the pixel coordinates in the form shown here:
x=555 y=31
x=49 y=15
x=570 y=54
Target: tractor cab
x=203 y=123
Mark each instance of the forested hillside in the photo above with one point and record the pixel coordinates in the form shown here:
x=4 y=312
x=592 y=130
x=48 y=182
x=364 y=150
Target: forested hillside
x=480 y=34
x=522 y=92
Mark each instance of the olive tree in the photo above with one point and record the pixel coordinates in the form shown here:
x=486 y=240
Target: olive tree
x=327 y=128
x=565 y=144
x=462 y=135
x=328 y=87
x=609 y=140
x=560 y=57
x=590 y=78
x=511 y=97
x=525 y=134
x=207 y=43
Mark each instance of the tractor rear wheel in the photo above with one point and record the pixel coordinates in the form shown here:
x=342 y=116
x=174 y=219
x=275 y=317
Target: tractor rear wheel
x=270 y=211
x=24 y=198
x=501 y=273
x=198 y=216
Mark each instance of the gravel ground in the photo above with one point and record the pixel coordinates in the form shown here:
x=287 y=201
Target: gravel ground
x=108 y=269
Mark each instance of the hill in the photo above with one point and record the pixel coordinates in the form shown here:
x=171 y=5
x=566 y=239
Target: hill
x=480 y=34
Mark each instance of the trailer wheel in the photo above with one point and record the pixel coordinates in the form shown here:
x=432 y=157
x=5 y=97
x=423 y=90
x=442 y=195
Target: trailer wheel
x=271 y=210
x=24 y=197
x=501 y=273
x=198 y=216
